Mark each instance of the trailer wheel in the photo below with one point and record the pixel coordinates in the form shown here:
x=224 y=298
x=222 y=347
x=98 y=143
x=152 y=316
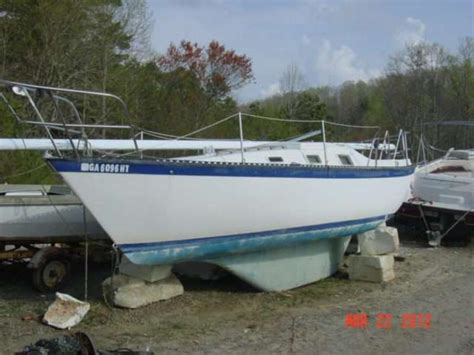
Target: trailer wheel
x=51 y=275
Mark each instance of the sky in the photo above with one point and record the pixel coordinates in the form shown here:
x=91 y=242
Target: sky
x=330 y=41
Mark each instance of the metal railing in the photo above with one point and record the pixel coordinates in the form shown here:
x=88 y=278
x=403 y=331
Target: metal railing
x=25 y=90
x=33 y=92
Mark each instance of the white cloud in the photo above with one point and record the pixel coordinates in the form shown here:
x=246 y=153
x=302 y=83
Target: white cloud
x=336 y=65
x=412 y=33
x=271 y=90
x=306 y=40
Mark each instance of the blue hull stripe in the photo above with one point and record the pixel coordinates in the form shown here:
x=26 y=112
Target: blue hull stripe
x=168 y=167
x=169 y=252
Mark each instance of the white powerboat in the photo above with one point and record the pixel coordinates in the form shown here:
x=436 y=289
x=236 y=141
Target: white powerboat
x=277 y=214
x=443 y=194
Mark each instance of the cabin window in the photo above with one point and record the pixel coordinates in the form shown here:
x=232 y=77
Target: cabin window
x=275 y=159
x=345 y=160
x=313 y=159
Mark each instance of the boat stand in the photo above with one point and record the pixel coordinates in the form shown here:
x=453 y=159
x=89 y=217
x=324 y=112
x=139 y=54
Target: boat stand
x=438 y=223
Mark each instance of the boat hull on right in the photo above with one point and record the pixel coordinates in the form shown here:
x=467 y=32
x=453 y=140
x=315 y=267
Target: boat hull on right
x=447 y=183
x=443 y=196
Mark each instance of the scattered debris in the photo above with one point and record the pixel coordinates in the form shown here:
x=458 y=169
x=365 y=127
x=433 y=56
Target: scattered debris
x=65 y=312
x=30 y=317
x=78 y=343
x=63 y=344
x=129 y=292
x=286 y=294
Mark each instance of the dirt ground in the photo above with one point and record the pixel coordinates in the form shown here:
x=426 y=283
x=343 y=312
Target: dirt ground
x=227 y=316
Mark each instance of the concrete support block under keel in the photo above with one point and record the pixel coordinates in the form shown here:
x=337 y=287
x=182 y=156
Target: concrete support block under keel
x=129 y=292
x=382 y=240
x=371 y=268
x=289 y=267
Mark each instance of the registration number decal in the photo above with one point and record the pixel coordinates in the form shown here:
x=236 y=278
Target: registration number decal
x=105 y=168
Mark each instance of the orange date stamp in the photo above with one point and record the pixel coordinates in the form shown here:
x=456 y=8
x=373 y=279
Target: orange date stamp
x=387 y=321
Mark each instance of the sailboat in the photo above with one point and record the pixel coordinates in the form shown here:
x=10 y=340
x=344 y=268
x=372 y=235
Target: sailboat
x=278 y=214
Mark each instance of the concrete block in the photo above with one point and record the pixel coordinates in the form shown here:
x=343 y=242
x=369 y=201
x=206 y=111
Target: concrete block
x=65 y=312
x=149 y=273
x=371 y=268
x=380 y=241
x=129 y=292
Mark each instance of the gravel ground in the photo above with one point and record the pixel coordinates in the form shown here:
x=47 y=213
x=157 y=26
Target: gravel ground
x=228 y=316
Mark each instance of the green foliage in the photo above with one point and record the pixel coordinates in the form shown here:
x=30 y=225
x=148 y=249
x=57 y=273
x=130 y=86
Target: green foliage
x=309 y=106
x=304 y=105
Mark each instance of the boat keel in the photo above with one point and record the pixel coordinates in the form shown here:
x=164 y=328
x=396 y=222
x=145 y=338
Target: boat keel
x=286 y=268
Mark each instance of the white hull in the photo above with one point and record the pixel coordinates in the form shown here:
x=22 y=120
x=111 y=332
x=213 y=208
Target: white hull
x=136 y=208
x=445 y=192
x=447 y=183
x=168 y=212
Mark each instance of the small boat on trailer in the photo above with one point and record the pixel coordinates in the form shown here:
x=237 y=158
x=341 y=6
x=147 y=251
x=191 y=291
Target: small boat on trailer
x=443 y=195
x=277 y=214
x=46 y=225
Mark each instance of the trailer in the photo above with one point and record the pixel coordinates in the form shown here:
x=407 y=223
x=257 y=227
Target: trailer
x=436 y=222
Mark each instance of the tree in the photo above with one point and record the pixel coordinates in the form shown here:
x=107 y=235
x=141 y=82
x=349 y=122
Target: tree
x=291 y=82
x=416 y=84
x=78 y=44
x=309 y=107
x=71 y=43
x=215 y=72
x=218 y=70
x=352 y=102
x=466 y=49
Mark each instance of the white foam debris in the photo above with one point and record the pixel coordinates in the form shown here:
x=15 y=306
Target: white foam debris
x=65 y=312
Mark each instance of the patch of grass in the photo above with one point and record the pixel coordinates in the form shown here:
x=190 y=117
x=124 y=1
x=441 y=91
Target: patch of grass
x=99 y=314
x=19 y=308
